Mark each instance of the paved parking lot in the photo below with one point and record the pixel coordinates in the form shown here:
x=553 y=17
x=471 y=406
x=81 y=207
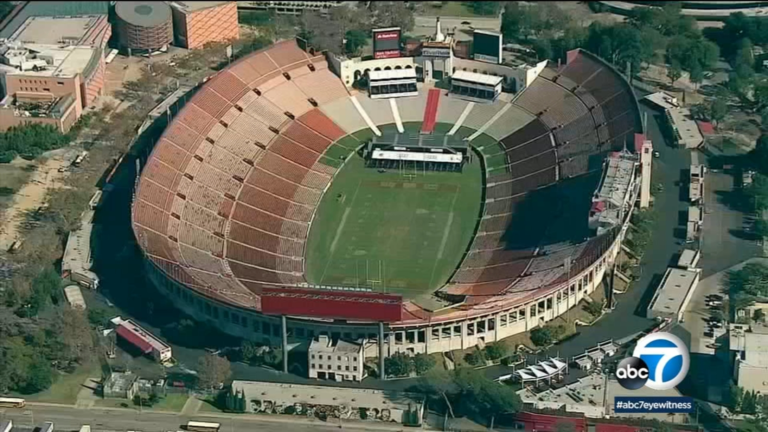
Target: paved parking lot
x=697 y=312
x=726 y=240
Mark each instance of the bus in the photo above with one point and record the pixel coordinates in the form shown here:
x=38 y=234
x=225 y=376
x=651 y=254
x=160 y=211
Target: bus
x=203 y=427
x=12 y=402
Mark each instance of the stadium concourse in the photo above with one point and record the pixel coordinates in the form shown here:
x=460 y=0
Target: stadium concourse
x=225 y=202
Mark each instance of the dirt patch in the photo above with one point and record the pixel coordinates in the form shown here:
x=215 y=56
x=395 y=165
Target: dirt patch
x=33 y=195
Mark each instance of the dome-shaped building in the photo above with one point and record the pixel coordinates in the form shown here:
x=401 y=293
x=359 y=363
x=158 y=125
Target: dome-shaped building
x=143 y=26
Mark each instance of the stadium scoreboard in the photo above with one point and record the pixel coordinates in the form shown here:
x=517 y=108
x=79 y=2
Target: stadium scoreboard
x=386 y=43
x=486 y=46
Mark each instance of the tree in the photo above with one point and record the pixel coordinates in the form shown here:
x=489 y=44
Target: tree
x=696 y=76
x=423 y=363
x=483 y=397
x=399 y=364
x=355 y=40
x=758 y=315
x=393 y=14
x=751 y=280
x=439 y=381
x=761 y=228
x=475 y=358
x=495 y=351
x=542 y=336
x=718 y=110
x=39 y=376
x=674 y=72
x=594 y=308
x=76 y=335
x=212 y=370
x=248 y=351
x=484 y=7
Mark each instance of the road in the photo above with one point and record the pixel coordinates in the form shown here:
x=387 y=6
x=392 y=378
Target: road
x=67 y=418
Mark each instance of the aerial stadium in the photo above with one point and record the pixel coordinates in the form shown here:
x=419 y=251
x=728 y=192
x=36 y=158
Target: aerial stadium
x=283 y=203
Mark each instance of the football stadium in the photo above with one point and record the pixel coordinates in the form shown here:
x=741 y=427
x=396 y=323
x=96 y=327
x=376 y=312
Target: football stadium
x=283 y=203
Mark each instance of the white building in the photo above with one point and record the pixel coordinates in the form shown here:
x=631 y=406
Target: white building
x=350 y=402
x=689 y=259
x=674 y=294
x=336 y=360
x=145 y=341
x=614 y=196
x=696 y=185
x=77 y=261
x=749 y=345
x=686 y=131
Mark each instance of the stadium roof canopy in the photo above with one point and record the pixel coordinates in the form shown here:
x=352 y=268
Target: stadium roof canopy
x=144 y=14
x=479 y=78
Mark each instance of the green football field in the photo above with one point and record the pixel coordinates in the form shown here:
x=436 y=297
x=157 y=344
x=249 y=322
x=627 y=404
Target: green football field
x=394 y=232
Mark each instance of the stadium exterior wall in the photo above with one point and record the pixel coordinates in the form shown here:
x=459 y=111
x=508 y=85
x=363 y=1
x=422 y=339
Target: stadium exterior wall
x=491 y=326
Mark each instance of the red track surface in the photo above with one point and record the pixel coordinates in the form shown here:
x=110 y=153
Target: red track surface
x=430 y=112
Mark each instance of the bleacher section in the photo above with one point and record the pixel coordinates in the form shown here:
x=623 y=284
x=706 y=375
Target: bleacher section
x=513 y=119
x=235 y=169
x=582 y=111
x=481 y=113
x=343 y=113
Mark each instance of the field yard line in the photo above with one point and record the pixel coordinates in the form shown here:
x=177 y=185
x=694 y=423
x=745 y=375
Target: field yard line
x=339 y=230
x=446 y=232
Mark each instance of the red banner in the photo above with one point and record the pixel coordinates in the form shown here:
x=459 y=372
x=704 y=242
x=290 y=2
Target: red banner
x=319 y=303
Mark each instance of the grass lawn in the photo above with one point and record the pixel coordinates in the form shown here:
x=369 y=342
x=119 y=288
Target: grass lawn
x=405 y=234
x=208 y=406
x=172 y=402
x=66 y=386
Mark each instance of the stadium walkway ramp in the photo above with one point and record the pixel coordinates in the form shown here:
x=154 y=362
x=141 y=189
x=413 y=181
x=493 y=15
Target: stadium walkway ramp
x=396 y=115
x=430 y=113
x=462 y=117
x=489 y=123
x=365 y=116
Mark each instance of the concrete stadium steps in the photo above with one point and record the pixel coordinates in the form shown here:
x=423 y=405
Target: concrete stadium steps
x=343 y=113
x=585 y=144
x=450 y=108
x=536 y=281
x=481 y=113
x=411 y=108
x=552 y=259
x=574 y=166
x=378 y=110
x=289 y=98
x=274 y=204
x=512 y=120
x=322 y=86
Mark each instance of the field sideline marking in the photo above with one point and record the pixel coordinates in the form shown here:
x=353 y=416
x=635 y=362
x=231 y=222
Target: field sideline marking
x=339 y=230
x=446 y=231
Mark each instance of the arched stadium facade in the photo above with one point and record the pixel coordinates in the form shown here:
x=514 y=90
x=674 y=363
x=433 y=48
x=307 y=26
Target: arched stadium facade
x=226 y=200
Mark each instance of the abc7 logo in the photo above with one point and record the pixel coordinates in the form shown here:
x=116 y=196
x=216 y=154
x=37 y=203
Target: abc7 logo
x=660 y=361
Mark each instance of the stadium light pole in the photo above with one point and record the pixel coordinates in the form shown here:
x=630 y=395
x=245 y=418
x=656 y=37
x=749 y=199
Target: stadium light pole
x=382 y=372
x=285 y=343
